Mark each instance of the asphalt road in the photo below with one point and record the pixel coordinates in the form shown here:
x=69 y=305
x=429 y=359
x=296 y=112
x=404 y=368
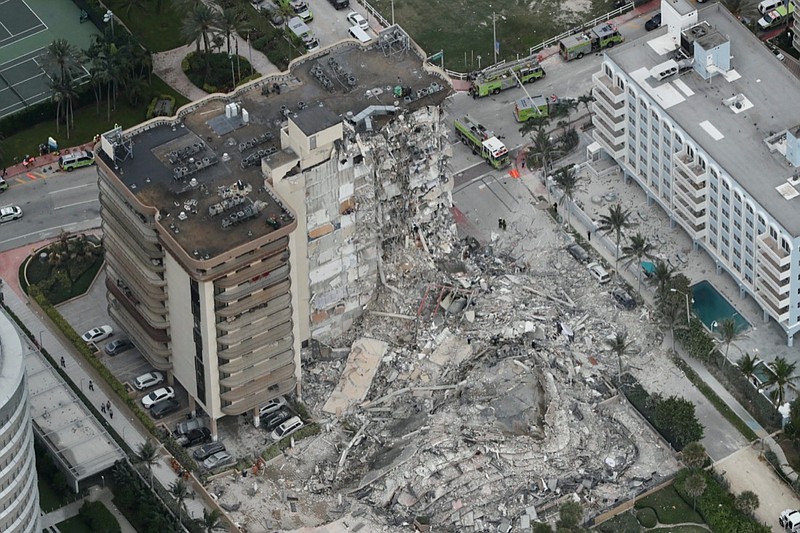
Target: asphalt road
x=50 y=202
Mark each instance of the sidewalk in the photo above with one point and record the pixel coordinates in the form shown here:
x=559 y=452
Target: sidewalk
x=80 y=373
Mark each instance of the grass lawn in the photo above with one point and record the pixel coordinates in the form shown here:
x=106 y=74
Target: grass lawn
x=38 y=271
x=462 y=27
x=156 y=31
x=88 y=123
x=74 y=525
x=622 y=523
x=670 y=507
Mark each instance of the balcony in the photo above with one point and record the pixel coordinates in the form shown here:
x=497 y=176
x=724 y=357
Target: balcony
x=767 y=277
x=275 y=298
x=131 y=304
x=244 y=399
x=773 y=252
x=266 y=359
x=605 y=85
x=689 y=196
x=282 y=331
x=245 y=259
x=148 y=340
x=772 y=304
x=690 y=170
x=256 y=327
x=613 y=129
x=246 y=289
x=614 y=149
x=609 y=107
x=252 y=271
x=254 y=315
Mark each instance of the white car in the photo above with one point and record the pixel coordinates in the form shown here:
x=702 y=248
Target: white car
x=599 y=273
x=151 y=379
x=217 y=460
x=157 y=395
x=10 y=212
x=98 y=334
x=287 y=428
x=272 y=406
x=357 y=20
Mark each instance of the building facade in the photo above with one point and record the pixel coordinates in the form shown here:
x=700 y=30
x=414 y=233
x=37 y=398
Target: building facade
x=19 y=492
x=694 y=114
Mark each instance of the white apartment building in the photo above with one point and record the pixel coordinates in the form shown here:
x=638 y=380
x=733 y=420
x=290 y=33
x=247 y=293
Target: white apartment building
x=19 y=493
x=702 y=116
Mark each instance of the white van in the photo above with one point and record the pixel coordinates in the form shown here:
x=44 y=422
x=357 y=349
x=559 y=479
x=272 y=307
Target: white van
x=302 y=32
x=768 y=5
x=360 y=34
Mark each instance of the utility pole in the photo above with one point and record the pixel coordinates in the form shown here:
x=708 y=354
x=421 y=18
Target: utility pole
x=392 y=12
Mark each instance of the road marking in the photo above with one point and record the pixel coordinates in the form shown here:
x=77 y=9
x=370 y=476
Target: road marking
x=31 y=176
x=20 y=180
x=40 y=232
x=76 y=203
x=70 y=188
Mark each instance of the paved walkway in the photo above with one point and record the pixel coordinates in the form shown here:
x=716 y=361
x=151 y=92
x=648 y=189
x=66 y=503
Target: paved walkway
x=95 y=494
x=79 y=371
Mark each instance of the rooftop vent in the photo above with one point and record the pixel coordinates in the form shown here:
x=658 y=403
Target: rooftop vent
x=738 y=103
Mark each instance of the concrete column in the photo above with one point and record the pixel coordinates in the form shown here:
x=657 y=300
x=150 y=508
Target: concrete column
x=789 y=340
x=695 y=245
x=256 y=417
x=718 y=268
x=742 y=292
x=764 y=316
x=192 y=406
x=213 y=427
x=650 y=200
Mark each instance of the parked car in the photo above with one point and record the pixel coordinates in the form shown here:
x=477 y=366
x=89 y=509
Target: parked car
x=340 y=4
x=623 y=299
x=98 y=334
x=182 y=428
x=271 y=11
x=218 y=460
x=162 y=408
x=578 y=252
x=599 y=273
x=789 y=518
x=276 y=419
x=356 y=19
x=10 y=212
x=653 y=23
x=151 y=379
x=3 y=185
x=157 y=395
x=194 y=437
x=287 y=428
x=207 y=450
x=272 y=406
x=117 y=346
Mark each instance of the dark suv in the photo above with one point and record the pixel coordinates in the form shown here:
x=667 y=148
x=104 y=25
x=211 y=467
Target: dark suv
x=340 y=4
x=195 y=436
x=207 y=450
x=623 y=299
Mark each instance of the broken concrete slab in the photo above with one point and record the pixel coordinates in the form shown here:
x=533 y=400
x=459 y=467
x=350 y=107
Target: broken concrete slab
x=356 y=379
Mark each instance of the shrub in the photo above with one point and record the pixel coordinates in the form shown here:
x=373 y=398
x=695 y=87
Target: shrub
x=696 y=340
x=214 y=70
x=98 y=517
x=277 y=448
x=647 y=517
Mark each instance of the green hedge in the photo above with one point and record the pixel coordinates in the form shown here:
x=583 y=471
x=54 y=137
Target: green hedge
x=673 y=417
x=716 y=401
x=217 y=73
x=716 y=506
x=278 y=448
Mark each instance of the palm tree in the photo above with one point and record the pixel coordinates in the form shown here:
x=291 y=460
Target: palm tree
x=198 y=24
x=661 y=276
x=180 y=491
x=747 y=364
x=672 y=317
x=569 y=180
x=211 y=521
x=783 y=374
x=747 y=502
x=587 y=99
x=541 y=151
x=230 y=21
x=695 y=486
x=694 y=455
x=742 y=9
x=148 y=455
x=727 y=333
x=64 y=91
x=620 y=345
x=616 y=221
x=62 y=54
x=637 y=249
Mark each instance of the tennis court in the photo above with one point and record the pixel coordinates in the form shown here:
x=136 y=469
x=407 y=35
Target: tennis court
x=24 y=36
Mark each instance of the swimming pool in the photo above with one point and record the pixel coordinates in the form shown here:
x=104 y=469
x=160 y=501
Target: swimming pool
x=710 y=307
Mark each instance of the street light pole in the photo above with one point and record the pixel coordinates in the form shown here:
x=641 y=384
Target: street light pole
x=688 y=318
x=109 y=18
x=392 y=12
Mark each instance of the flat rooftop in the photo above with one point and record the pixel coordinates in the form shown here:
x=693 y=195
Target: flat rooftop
x=735 y=140
x=184 y=170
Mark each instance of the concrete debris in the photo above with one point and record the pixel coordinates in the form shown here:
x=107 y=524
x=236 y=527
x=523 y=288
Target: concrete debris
x=475 y=391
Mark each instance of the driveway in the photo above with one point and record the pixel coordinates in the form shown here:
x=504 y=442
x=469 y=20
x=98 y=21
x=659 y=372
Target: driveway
x=746 y=470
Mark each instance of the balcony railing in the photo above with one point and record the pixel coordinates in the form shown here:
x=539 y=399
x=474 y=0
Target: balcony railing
x=773 y=251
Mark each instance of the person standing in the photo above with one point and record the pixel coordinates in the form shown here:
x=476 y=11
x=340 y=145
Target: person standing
x=63 y=362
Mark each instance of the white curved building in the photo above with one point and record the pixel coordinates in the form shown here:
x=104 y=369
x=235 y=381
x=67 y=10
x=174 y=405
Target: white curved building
x=19 y=496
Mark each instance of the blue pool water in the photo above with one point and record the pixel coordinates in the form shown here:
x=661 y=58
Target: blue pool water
x=710 y=306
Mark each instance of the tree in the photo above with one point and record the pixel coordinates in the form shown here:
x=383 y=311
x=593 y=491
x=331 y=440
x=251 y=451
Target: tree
x=638 y=248
x=568 y=180
x=180 y=491
x=616 y=222
x=676 y=418
x=661 y=276
x=586 y=100
x=747 y=364
x=747 y=502
x=570 y=516
x=128 y=6
x=148 y=455
x=542 y=151
x=672 y=317
x=540 y=527
x=62 y=54
x=230 y=21
x=64 y=92
x=620 y=345
x=695 y=486
x=694 y=455
x=727 y=332
x=742 y=9
x=211 y=521
x=783 y=374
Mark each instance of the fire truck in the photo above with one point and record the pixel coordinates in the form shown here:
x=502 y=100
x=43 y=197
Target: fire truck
x=496 y=78
x=482 y=142
x=533 y=107
x=605 y=35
